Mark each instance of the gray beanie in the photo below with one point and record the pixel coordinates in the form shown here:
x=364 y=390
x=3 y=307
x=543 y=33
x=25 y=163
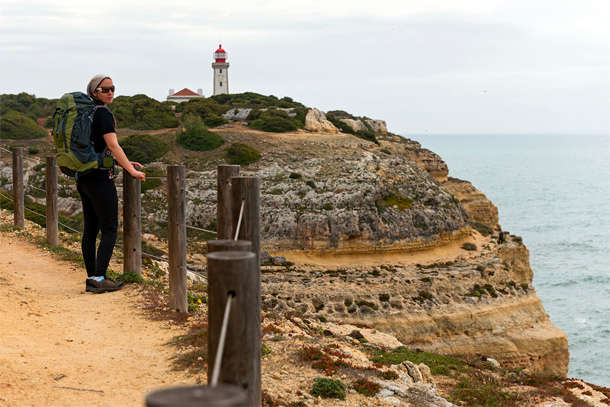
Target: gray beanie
x=95 y=82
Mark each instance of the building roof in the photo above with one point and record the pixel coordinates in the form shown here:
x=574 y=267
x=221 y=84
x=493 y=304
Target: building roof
x=186 y=92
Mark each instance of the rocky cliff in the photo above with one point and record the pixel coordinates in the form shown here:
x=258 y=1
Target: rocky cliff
x=378 y=234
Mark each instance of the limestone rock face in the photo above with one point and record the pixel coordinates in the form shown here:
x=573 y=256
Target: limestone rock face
x=237 y=114
x=356 y=125
x=378 y=126
x=479 y=208
x=316 y=121
x=484 y=305
x=424 y=158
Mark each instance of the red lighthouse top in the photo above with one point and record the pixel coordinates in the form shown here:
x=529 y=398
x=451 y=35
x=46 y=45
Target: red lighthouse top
x=220 y=55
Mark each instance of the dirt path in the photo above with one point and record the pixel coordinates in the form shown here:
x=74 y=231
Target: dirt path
x=53 y=336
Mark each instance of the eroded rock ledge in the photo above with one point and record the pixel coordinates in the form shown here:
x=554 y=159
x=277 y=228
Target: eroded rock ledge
x=481 y=305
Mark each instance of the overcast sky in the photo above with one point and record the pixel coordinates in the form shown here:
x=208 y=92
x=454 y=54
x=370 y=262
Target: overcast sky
x=435 y=66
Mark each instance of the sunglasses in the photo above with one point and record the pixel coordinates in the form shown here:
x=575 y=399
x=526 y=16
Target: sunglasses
x=106 y=89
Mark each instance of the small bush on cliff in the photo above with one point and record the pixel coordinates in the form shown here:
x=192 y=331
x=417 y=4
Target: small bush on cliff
x=367 y=387
x=438 y=364
x=328 y=388
x=481 y=227
x=392 y=200
x=144 y=148
x=274 y=121
x=469 y=246
x=242 y=154
x=213 y=120
x=196 y=135
x=16 y=126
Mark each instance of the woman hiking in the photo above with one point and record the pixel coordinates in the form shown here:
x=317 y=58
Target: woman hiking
x=98 y=192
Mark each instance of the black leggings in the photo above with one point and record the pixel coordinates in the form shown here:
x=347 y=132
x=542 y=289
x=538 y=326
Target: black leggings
x=100 y=211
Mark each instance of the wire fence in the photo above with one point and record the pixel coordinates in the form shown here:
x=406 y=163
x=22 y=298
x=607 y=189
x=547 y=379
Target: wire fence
x=236 y=342
x=149 y=255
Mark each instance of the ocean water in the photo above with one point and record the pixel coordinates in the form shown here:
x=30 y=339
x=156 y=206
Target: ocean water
x=554 y=192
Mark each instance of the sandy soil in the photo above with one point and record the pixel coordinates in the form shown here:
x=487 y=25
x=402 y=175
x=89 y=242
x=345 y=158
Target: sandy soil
x=61 y=346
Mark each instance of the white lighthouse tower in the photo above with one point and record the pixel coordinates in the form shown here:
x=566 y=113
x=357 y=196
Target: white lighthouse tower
x=221 y=71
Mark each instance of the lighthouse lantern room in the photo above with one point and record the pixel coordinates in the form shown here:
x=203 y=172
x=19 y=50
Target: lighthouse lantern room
x=221 y=74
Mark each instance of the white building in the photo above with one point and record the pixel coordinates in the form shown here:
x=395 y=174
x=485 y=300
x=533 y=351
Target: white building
x=184 y=95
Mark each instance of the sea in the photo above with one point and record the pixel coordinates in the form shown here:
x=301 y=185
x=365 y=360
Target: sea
x=554 y=192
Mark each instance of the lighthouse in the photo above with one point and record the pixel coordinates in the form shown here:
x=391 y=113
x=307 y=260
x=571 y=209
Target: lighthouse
x=221 y=71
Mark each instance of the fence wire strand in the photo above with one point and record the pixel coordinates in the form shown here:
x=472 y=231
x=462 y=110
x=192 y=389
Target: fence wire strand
x=241 y=213
x=221 y=342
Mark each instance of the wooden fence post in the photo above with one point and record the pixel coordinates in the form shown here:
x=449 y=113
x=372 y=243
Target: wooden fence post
x=234 y=276
x=18 y=194
x=132 y=224
x=246 y=190
x=51 y=188
x=201 y=396
x=176 y=228
x=228 y=244
x=224 y=224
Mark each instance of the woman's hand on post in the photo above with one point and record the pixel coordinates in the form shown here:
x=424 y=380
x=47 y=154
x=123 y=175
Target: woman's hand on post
x=137 y=174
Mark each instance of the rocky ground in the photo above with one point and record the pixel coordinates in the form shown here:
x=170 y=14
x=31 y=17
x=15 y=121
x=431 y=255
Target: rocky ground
x=64 y=347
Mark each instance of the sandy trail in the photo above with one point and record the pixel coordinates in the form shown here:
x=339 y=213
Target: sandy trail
x=54 y=335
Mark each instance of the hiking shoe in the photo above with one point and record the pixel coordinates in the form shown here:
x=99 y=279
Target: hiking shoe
x=107 y=284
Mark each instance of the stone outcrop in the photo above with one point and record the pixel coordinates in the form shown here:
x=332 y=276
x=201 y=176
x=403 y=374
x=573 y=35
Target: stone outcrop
x=378 y=126
x=485 y=305
x=355 y=124
x=479 y=208
x=316 y=121
x=237 y=114
x=424 y=158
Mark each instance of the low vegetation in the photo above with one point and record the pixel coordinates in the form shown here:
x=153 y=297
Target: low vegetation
x=242 y=154
x=18 y=126
x=196 y=135
x=141 y=112
x=144 y=148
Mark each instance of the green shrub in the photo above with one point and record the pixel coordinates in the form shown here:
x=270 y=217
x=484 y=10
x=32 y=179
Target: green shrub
x=141 y=112
x=33 y=151
x=17 y=126
x=213 y=120
x=517 y=239
x=386 y=151
x=391 y=200
x=294 y=175
x=144 y=148
x=242 y=154
x=439 y=364
x=481 y=227
x=367 y=135
x=327 y=207
x=328 y=388
x=345 y=128
x=273 y=124
x=469 y=246
x=196 y=136
x=202 y=107
x=311 y=184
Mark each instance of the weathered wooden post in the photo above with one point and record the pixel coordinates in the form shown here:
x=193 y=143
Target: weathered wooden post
x=246 y=195
x=18 y=194
x=224 y=224
x=132 y=224
x=176 y=227
x=228 y=244
x=225 y=395
x=51 y=188
x=234 y=276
